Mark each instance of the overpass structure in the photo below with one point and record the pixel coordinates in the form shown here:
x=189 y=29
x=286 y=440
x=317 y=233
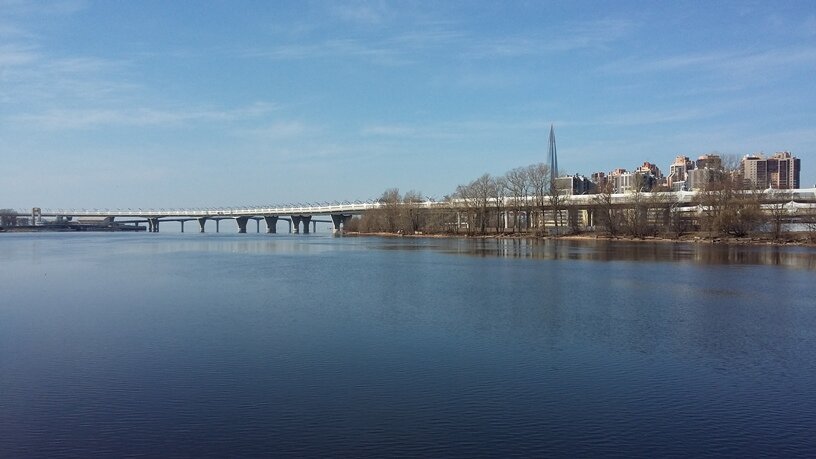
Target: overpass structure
x=301 y=216
x=298 y=216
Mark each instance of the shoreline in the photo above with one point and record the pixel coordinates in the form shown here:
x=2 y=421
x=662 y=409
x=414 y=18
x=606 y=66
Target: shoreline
x=691 y=238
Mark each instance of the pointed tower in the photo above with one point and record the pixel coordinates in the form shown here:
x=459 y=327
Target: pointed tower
x=553 y=156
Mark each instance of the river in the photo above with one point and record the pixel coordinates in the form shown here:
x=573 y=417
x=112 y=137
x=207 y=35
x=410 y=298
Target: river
x=193 y=345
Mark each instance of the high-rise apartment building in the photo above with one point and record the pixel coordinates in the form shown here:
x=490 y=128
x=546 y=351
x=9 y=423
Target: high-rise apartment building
x=678 y=173
x=780 y=171
x=710 y=161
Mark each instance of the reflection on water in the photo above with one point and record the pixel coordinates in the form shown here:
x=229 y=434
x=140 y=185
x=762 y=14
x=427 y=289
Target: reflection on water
x=605 y=250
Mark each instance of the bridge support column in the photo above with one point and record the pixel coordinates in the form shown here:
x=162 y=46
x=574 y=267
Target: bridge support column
x=154 y=224
x=271 y=224
x=217 y=224
x=257 y=225
x=295 y=226
x=337 y=221
x=201 y=222
x=242 y=223
x=182 y=226
x=314 y=227
x=306 y=219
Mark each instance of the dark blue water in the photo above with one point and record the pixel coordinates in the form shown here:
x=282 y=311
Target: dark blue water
x=170 y=345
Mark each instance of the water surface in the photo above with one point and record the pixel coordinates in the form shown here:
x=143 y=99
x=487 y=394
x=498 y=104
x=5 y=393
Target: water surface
x=259 y=345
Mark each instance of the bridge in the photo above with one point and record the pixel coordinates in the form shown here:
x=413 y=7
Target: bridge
x=301 y=216
x=298 y=215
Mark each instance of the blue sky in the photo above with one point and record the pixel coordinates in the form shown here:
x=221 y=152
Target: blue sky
x=188 y=103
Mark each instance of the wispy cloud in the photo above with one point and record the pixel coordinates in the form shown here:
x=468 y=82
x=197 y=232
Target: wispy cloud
x=461 y=129
x=648 y=117
x=340 y=48
x=445 y=40
x=730 y=61
x=279 y=130
x=16 y=55
x=139 y=117
x=387 y=130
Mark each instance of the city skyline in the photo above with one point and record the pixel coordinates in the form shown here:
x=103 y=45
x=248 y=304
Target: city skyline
x=190 y=104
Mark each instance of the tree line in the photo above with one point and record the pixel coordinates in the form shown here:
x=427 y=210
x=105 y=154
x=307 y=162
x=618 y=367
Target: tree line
x=525 y=200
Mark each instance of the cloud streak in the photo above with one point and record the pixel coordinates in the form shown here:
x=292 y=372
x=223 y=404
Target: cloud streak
x=68 y=119
x=720 y=61
x=444 y=40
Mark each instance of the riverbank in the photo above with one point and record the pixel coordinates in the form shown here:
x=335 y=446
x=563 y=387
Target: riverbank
x=791 y=239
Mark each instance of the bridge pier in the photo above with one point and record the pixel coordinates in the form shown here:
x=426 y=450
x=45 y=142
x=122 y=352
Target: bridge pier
x=314 y=227
x=153 y=224
x=201 y=222
x=590 y=217
x=295 y=226
x=306 y=219
x=242 y=223
x=182 y=225
x=337 y=220
x=257 y=225
x=271 y=224
x=217 y=224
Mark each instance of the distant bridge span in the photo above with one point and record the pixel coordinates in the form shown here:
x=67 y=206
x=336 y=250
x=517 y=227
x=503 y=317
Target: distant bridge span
x=340 y=213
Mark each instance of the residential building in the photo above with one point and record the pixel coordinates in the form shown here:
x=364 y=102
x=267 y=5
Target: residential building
x=678 y=173
x=780 y=171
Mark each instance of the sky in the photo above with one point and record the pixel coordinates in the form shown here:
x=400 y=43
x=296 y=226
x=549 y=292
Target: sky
x=156 y=104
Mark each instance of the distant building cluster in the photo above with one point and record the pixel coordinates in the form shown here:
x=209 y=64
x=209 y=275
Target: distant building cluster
x=779 y=171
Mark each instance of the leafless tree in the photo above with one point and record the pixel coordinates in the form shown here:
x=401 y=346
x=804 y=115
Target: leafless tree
x=607 y=215
x=556 y=197
x=636 y=215
x=498 y=188
x=8 y=217
x=730 y=209
x=809 y=221
x=391 y=200
x=775 y=202
x=517 y=185
x=539 y=177
x=412 y=214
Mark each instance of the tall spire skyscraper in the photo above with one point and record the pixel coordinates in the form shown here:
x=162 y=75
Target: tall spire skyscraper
x=553 y=157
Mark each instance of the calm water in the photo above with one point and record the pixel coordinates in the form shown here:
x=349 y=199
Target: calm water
x=254 y=345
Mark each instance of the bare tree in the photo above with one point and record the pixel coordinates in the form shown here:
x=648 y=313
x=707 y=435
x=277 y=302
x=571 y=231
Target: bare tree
x=636 y=215
x=775 y=202
x=539 y=177
x=465 y=195
x=517 y=185
x=556 y=197
x=8 y=217
x=730 y=209
x=413 y=215
x=483 y=190
x=391 y=200
x=809 y=221
x=498 y=188
x=606 y=213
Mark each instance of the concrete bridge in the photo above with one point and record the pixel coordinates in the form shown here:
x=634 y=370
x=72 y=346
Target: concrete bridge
x=338 y=214
x=297 y=216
